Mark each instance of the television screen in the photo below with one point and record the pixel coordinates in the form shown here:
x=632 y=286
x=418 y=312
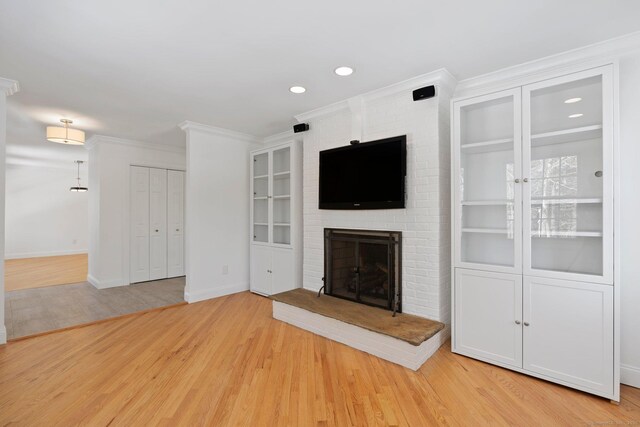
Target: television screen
x=370 y=175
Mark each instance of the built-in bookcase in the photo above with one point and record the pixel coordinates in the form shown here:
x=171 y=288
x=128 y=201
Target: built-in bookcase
x=533 y=227
x=275 y=189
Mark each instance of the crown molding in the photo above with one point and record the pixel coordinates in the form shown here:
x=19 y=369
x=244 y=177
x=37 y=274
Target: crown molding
x=8 y=86
x=212 y=130
x=590 y=56
x=441 y=78
x=285 y=136
x=96 y=140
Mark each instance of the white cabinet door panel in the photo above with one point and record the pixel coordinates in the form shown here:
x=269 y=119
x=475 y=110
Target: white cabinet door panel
x=175 y=223
x=157 y=224
x=569 y=335
x=139 y=268
x=282 y=272
x=260 y=269
x=488 y=316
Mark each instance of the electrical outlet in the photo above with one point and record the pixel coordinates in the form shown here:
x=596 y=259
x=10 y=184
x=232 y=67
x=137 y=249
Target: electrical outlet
x=225 y=269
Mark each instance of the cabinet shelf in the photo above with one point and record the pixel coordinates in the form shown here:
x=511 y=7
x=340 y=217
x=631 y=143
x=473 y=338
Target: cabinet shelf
x=486 y=202
x=488 y=146
x=260 y=224
x=284 y=196
x=550 y=234
x=260 y=198
x=281 y=224
x=282 y=174
x=561 y=200
x=566 y=135
x=260 y=176
x=486 y=230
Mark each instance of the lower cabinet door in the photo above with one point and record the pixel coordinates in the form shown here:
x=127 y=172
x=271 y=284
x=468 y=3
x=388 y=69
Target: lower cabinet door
x=488 y=316
x=282 y=268
x=568 y=332
x=261 y=269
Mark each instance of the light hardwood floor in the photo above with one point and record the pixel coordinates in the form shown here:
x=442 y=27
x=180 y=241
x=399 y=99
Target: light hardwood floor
x=28 y=273
x=227 y=362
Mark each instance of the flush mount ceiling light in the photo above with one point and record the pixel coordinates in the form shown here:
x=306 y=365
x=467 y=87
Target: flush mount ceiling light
x=343 y=71
x=79 y=188
x=572 y=100
x=297 y=89
x=65 y=135
x=575 y=116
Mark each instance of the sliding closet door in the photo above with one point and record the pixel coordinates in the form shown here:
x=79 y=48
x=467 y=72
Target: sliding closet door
x=157 y=224
x=175 y=221
x=139 y=224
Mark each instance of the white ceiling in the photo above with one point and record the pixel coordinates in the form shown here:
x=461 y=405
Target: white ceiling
x=135 y=69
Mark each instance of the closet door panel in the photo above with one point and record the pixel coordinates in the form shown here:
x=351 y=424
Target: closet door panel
x=139 y=268
x=175 y=221
x=157 y=224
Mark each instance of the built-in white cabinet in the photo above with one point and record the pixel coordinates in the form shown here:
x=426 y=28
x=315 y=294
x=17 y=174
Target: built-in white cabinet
x=533 y=220
x=276 y=218
x=157 y=224
x=490 y=334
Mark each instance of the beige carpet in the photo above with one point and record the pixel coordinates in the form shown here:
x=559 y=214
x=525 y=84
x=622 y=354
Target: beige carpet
x=406 y=327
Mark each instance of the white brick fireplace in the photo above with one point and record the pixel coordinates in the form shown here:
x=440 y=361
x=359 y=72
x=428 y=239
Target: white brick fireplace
x=425 y=223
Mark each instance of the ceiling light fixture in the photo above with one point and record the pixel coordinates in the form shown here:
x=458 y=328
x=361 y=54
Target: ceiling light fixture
x=79 y=188
x=572 y=100
x=575 y=116
x=297 y=89
x=343 y=71
x=65 y=135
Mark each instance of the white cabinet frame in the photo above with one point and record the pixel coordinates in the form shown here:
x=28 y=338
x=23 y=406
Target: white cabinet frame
x=457 y=201
x=608 y=177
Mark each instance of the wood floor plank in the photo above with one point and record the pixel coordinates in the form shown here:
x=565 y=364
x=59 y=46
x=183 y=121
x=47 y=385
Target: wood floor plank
x=228 y=362
x=28 y=273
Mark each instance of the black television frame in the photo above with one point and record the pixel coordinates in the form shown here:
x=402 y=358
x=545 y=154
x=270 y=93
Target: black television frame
x=358 y=205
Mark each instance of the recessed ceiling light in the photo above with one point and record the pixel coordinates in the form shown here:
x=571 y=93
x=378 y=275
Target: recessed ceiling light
x=297 y=89
x=572 y=100
x=343 y=71
x=575 y=116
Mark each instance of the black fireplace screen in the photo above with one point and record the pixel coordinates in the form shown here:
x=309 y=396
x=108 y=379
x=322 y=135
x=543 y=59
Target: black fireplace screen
x=364 y=266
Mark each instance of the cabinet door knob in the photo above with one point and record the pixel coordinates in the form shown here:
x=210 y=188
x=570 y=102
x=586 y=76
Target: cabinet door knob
x=526 y=323
x=526 y=180
x=517 y=322
x=517 y=180
x=157 y=231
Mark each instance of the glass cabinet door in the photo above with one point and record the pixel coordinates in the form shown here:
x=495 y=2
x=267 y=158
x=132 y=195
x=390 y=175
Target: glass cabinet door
x=567 y=162
x=487 y=166
x=261 y=197
x=281 y=197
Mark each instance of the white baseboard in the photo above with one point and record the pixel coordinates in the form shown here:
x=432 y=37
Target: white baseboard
x=630 y=375
x=104 y=284
x=380 y=345
x=3 y=334
x=19 y=255
x=197 y=296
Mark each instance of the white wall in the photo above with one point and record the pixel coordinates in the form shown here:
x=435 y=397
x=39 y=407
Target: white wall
x=109 y=167
x=425 y=221
x=44 y=218
x=217 y=212
x=630 y=217
x=7 y=87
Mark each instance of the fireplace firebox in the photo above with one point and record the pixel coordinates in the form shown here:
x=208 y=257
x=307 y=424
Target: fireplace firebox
x=364 y=266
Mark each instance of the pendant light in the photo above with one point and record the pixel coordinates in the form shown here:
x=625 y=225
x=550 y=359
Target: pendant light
x=79 y=188
x=65 y=135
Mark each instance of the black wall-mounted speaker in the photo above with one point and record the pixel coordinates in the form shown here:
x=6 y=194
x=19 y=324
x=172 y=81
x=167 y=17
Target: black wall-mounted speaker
x=300 y=127
x=424 y=93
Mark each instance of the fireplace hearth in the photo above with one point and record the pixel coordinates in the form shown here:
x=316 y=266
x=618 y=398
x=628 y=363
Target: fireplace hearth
x=364 y=266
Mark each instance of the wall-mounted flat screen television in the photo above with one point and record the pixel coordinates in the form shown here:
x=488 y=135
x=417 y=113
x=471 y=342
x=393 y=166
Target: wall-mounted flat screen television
x=370 y=175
